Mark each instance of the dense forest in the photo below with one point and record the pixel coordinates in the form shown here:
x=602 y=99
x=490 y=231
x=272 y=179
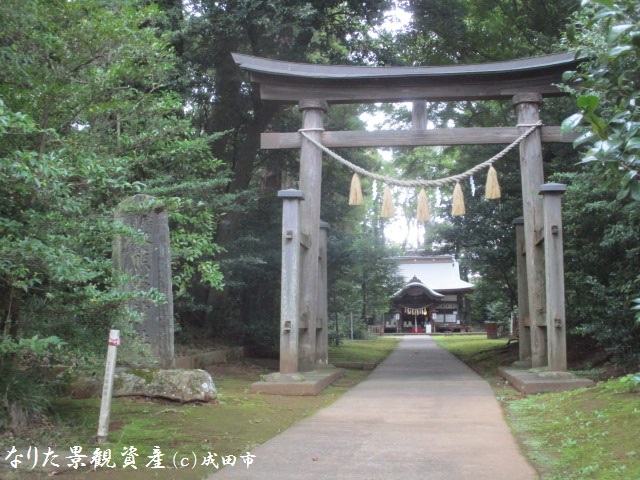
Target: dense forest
x=100 y=100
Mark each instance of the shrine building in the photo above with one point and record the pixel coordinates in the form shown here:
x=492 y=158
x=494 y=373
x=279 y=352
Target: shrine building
x=432 y=299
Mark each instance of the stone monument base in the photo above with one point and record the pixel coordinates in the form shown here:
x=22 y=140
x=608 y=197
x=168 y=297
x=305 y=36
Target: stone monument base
x=180 y=385
x=298 y=384
x=540 y=380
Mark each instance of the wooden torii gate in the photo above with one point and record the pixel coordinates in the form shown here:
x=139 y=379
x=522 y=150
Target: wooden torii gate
x=303 y=325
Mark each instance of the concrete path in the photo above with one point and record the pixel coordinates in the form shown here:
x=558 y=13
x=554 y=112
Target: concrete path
x=422 y=414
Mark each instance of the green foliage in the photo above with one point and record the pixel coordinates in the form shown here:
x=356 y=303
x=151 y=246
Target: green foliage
x=26 y=392
x=607 y=88
x=636 y=307
x=466 y=31
x=362 y=279
x=602 y=252
x=31 y=351
x=633 y=379
x=86 y=120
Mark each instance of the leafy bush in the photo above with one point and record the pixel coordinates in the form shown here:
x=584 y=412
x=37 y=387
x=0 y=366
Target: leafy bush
x=633 y=379
x=602 y=204
x=607 y=88
x=26 y=386
x=79 y=133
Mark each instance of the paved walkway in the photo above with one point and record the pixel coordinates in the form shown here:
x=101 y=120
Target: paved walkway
x=422 y=414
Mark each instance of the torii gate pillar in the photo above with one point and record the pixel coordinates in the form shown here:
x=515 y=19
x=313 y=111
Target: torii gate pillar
x=527 y=106
x=310 y=184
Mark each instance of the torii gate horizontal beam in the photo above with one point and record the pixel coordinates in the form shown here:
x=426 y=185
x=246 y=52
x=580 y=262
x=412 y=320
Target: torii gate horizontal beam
x=291 y=82
x=412 y=138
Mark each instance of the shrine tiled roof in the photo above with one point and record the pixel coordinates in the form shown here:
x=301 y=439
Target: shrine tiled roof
x=438 y=273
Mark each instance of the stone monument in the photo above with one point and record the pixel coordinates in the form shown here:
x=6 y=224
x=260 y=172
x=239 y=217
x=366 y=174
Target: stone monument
x=146 y=260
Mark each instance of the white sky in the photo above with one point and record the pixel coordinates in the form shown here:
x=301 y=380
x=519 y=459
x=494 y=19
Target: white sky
x=396 y=19
x=397 y=229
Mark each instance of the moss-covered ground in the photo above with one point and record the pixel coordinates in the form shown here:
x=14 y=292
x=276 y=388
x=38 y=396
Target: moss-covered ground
x=234 y=425
x=582 y=434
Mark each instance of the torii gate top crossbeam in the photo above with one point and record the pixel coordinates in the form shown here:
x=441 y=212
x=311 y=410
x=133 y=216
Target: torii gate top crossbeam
x=291 y=82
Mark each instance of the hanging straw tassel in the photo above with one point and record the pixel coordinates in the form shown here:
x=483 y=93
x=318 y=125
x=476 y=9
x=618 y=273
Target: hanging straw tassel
x=355 y=194
x=387 y=203
x=458 y=201
x=492 y=189
x=423 y=207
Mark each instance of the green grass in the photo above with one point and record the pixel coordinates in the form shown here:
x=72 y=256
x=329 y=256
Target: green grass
x=363 y=351
x=581 y=434
x=235 y=424
x=482 y=354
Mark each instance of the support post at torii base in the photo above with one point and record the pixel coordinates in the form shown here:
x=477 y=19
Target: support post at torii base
x=290 y=281
x=524 y=322
x=551 y=241
x=554 y=276
x=291 y=379
x=553 y=375
x=322 y=320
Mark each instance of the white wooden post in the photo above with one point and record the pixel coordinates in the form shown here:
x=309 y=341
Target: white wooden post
x=310 y=183
x=107 y=389
x=527 y=107
x=554 y=275
x=290 y=281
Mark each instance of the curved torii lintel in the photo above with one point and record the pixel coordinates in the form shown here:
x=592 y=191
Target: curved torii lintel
x=291 y=82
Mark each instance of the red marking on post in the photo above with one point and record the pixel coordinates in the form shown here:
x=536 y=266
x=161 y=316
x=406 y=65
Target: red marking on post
x=114 y=342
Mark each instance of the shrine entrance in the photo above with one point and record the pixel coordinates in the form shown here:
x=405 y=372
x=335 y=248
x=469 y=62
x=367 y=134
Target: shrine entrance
x=415 y=307
x=303 y=325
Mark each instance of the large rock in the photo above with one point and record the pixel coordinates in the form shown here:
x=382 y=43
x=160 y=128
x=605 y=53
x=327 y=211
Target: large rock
x=178 y=385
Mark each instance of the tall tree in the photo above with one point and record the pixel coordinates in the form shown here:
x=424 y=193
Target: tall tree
x=223 y=101
x=477 y=31
x=87 y=119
